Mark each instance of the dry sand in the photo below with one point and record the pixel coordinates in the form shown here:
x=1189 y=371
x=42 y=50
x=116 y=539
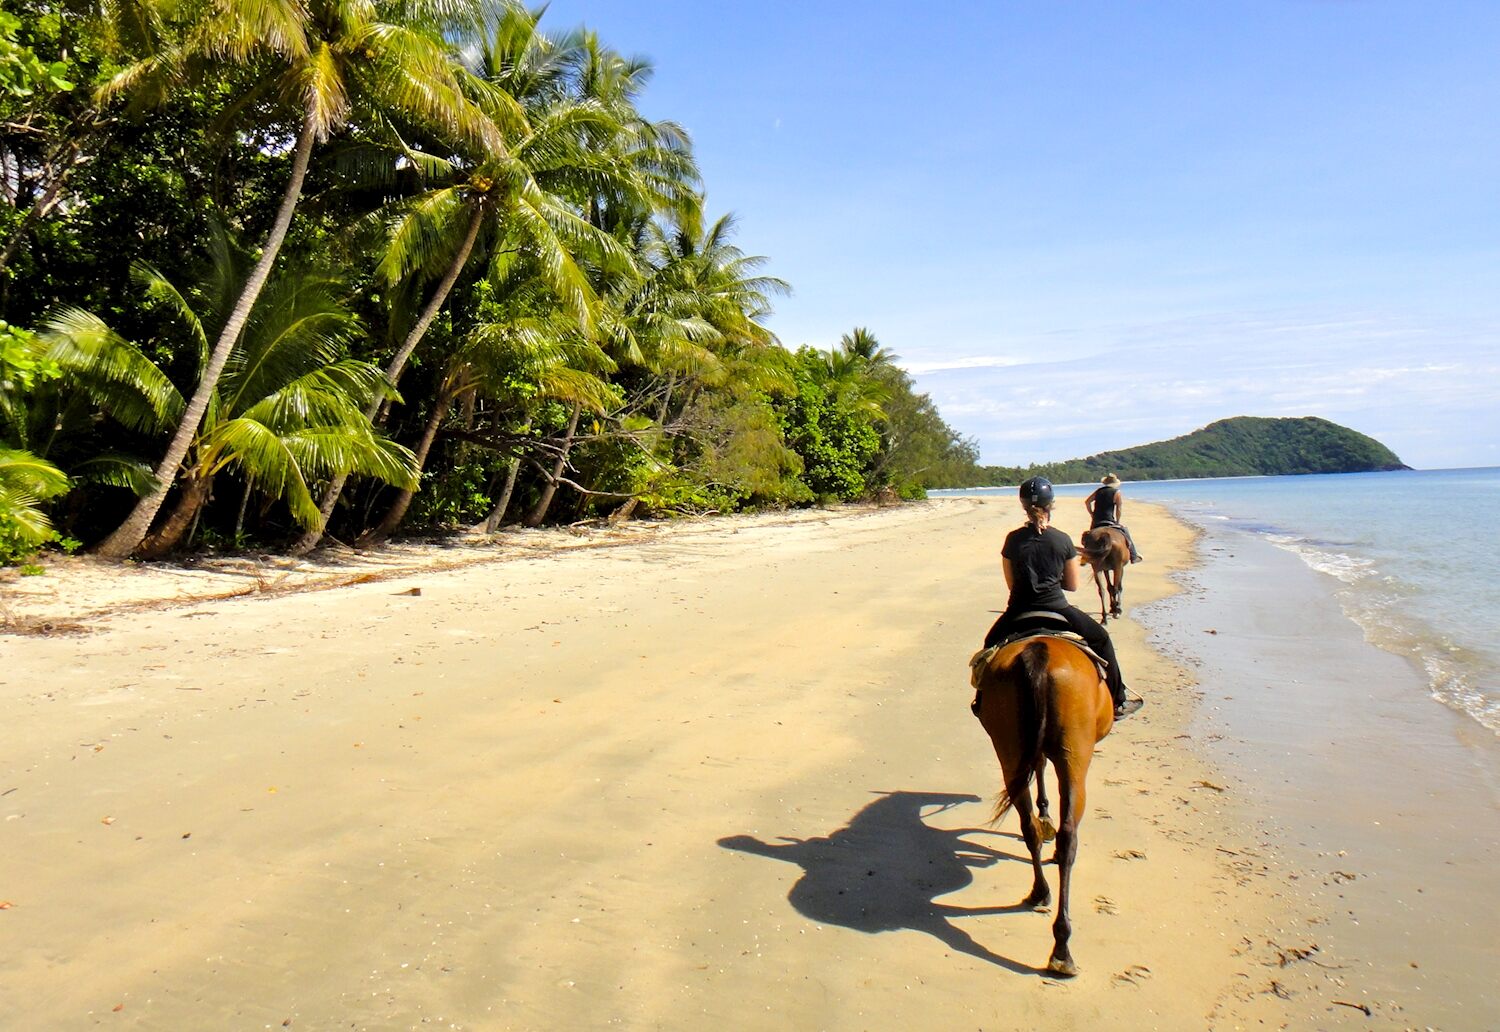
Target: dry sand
x=722 y=775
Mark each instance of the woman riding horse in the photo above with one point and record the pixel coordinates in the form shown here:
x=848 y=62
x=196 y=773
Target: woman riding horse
x=1041 y=563
x=1105 y=507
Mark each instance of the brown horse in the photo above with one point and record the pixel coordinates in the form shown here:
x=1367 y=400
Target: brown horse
x=1041 y=699
x=1106 y=550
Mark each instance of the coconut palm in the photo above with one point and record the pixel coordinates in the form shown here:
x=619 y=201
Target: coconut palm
x=25 y=483
x=723 y=288
x=287 y=409
x=329 y=59
x=512 y=204
x=845 y=374
x=861 y=344
x=663 y=174
x=549 y=355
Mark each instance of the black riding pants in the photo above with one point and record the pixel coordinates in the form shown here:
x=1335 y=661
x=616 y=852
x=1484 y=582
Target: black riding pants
x=1086 y=628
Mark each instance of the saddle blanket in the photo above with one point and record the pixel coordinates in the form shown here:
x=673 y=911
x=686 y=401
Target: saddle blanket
x=978 y=661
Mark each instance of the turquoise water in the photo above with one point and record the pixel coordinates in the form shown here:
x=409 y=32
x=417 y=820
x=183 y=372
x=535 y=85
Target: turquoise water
x=1403 y=550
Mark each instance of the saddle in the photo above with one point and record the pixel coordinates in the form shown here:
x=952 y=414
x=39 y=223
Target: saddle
x=1037 y=624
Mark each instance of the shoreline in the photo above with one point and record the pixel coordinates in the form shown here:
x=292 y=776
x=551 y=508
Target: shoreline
x=1379 y=794
x=563 y=791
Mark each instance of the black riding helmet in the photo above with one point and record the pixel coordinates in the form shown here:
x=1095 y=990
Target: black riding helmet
x=1037 y=491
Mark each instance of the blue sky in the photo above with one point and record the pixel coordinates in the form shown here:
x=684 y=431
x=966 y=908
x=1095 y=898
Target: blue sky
x=1085 y=226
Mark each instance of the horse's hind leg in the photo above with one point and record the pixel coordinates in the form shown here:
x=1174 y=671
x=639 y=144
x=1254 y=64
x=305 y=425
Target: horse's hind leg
x=1101 y=581
x=1044 y=826
x=1117 y=592
x=1070 y=800
x=1040 y=894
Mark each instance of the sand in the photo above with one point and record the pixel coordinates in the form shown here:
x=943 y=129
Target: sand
x=1383 y=803
x=718 y=774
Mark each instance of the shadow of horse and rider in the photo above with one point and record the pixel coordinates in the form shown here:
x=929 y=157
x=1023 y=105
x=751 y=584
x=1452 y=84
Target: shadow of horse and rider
x=885 y=870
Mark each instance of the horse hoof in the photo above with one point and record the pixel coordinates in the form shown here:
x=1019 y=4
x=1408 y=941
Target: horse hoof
x=1062 y=966
x=1047 y=829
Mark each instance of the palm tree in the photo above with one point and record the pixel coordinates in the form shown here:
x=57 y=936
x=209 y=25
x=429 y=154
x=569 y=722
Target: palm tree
x=288 y=407
x=550 y=353
x=723 y=288
x=512 y=203
x=26 y=479
x=860 y=343
x=847 y=373
x=332 y=57
x=25 y=482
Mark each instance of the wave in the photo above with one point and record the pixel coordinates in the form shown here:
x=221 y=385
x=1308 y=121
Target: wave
x=1386 y=609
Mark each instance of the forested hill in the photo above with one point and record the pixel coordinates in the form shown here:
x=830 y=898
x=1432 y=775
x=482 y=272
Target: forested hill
x=1238 y=447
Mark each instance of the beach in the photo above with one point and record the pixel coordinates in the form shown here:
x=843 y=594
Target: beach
x=719 y=773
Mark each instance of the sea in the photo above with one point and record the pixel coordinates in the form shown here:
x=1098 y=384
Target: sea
x=1405 y=554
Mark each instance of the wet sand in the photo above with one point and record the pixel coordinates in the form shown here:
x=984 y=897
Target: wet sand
x=1385 y=802
x=722 y=775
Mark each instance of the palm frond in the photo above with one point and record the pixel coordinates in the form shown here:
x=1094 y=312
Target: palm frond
x=264 y=456
x=113 y=372
x=423 y=237
x=332 y=395
x=578 y=387
x=25 y=482
x=23 y=471
x=117 y=471
x=160 y=291
x=297 y=327
x=325 y=97
x=327 y=451
x=240 y=29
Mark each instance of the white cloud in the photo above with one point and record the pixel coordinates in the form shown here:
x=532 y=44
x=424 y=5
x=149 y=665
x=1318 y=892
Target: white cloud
x=951 y=364
x=1148 y=382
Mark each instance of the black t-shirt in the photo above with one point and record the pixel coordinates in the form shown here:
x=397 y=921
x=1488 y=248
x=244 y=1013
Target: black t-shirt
x=1037 y=563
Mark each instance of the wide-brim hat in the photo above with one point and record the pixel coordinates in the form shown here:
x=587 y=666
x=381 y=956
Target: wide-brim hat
x=1109 y=480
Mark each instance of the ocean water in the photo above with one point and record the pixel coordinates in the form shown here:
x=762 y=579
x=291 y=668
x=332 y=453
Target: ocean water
x=1403 y=552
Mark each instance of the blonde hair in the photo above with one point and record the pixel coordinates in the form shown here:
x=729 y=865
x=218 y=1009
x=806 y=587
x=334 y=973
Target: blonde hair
x=1039 y=516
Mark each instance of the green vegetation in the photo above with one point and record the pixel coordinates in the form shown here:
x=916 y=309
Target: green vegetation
x=1240 y=447
x=274 y=270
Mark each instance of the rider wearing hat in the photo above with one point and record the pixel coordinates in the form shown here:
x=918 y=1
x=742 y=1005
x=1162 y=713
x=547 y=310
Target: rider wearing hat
x=1105 y=507
x=1041 y=563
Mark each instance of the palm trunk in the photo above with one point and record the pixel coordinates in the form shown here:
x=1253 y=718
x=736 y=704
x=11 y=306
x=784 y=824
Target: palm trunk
x=397 y=512
x=309 y=540
x=195 y=492
x=687 y=401
x=666 y=401
x=497 y=514
x=239 y=521
x=549 y=490
x=128 y=536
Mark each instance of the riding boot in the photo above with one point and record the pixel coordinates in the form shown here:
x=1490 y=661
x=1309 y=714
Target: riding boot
x=1124 y=704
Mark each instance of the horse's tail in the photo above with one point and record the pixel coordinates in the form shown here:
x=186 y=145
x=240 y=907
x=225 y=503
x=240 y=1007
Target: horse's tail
x=1035 y=711
x=1095 y=544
